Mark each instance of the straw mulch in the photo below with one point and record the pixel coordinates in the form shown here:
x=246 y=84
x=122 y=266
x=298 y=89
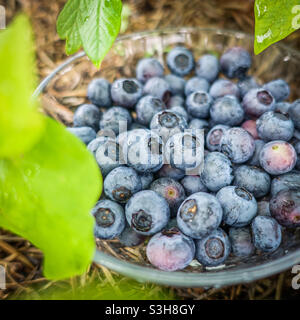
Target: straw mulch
x=23 y=262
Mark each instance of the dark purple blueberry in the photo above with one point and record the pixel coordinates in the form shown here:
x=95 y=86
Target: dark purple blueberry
x=148 y=68
x=217 y=172
x=85 y=134
x=274 y=126
x=246 y=85
x=277 y=157
x=254 y=179
x=170 y=172
x=121 y=183
x=241 y=242
x=98 y=92
x=214 y=136
x=286 y=181
x=250 y=126
x=254 y=160
x=223 y=87
x=279 y=89
x=170 y=250
x=115 y=119
x=235 y=62
x=258 y=101
x=198 y=104
x=214 y=249
x=294 y=112
x=227 y=110
x=239 y=206
x=87 y=115
x=180 y=61
x=176 y=83
x=110 y=219
x=171 y=190
x=130 y=238
x=208 y=67
x=199 y=215
x=193 y=184
x=126 y=92
x=146 y=108
x=266 y=233
x=237 y=144
x=285 y=207
x=196 y=84
x=147 y=212
x=159 y=88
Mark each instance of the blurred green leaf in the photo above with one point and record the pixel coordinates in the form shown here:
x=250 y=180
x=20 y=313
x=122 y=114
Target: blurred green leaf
x=274 y=20
x=20 y=124
x=92 y=24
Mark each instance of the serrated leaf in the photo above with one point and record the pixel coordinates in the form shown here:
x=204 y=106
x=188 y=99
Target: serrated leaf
x=92 y=24
x=274 y=20
x=20 y=123
x=46 y=196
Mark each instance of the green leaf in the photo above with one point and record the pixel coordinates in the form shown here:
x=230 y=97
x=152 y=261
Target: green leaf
x=46 y=196
x=274 y=20
x=92 y=24
x=20 y=124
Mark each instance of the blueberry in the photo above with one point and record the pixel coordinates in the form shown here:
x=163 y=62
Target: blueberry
x=235 y=62
x=171 y=190
x=98 y=92
x=237 y=144
x=115 y=119
x=198 y=104
x=143 y=150
x=214 y=249
x=282 y=107
x=181 y=111
x=85 y=134
x=159 y=88
x=170 y=172
x=136 y=125
x=167 y=123
x=275 y=126
x=146 y=179
x=198 y=124
x=126 y=92
x=266 y=233
x=199 y=215
x=279 y=89
x=196 y=84
x=180 y=61
x=258 y=101
x=184 y=150
x=263 y=208
x=285 y=181
x=294 y=112
x=208 y=67
x=121 y=183
x=110 y=219
x=108 y=155
x=241 y=242
x=147 y=212
x=87 y=115
x=227 y=110
x=217 y=172
x=170 y=250
x=214 y=137
x=285 y=207
x=148 y=68
x=246 y=85
x=254 y=179
x=223 y=87
x=130 y=238
x=254 y=160
x=193 y=184
x=277 y=157
x=239 y=206
x=146 y=108
x=94 y=144
x=176 y=83
x=175 y=101
x=250 y=126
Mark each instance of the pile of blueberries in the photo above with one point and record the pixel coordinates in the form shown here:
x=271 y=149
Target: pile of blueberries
x=248 y=192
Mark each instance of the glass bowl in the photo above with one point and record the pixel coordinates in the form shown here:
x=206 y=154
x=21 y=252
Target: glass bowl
x=65 y=88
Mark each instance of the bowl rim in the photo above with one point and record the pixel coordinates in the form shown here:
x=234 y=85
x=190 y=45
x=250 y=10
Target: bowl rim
x=184 y=279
